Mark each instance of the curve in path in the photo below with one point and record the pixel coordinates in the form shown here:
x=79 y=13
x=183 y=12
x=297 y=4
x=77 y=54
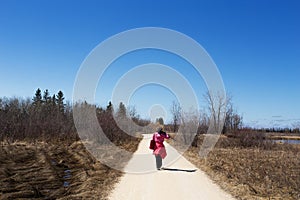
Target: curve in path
x=181 y=180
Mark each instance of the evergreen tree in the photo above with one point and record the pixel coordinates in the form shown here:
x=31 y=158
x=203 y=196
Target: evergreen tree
x=37 y=99
x=46 y=96
x=160 y=121
x=60 y=101
x=53 y=100
x=122 y=110
x=109 y=107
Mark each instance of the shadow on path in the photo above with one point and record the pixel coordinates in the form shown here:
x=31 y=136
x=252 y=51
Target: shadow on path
x=179 y=170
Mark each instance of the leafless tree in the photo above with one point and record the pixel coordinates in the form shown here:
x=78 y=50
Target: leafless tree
x=217 y=107
x=189 y=126
x=296 y=126
x=233 y=121
x=176 y=112
x=203 y=122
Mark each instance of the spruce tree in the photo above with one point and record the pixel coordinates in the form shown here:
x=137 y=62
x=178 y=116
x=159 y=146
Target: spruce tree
x=37 y=99
x=60 y=101
x=122 y=110
x=46 y=96
x=109 y=107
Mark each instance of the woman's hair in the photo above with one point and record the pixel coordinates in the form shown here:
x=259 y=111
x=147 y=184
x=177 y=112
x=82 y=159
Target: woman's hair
x=159 y=129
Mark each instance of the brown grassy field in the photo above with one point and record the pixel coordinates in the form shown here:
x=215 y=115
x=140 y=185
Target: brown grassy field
x=252 y=169
x=285 y=137
x=55 y=171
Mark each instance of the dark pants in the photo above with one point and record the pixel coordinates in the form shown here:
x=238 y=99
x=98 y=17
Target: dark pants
x=158 y=161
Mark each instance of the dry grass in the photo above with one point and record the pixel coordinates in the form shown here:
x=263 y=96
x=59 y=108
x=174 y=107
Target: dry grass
x=255 y=172
x=285 y=137
x=55 y=171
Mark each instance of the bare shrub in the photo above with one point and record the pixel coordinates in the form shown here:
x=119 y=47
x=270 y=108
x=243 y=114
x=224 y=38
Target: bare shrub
x=49 y=118
x=188 y=127
x=245 y=139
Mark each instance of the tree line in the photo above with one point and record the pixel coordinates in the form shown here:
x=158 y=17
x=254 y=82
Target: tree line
x=44 y=117
x=50 y=118
x=47 y=116
x=219 y=112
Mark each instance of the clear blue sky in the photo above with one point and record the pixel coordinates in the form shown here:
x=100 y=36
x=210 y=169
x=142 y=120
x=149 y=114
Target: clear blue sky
x=255 y=44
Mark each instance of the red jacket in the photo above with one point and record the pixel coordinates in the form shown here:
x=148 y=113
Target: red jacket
x=160 y=147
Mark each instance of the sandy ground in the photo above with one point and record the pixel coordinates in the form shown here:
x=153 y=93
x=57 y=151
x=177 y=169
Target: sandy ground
x=181 y=179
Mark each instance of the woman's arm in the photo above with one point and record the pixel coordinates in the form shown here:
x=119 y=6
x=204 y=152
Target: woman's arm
x=166 y=136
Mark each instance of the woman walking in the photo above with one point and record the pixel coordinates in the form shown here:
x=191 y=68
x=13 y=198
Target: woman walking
x=160 y=150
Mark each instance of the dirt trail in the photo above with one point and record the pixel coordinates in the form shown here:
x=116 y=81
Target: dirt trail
x=180 y=181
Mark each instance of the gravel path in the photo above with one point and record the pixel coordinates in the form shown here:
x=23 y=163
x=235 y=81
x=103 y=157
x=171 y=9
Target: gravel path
x=180 y=179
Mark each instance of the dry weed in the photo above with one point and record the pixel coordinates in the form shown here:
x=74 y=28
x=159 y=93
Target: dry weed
x=253 y=173
x=55 y=171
